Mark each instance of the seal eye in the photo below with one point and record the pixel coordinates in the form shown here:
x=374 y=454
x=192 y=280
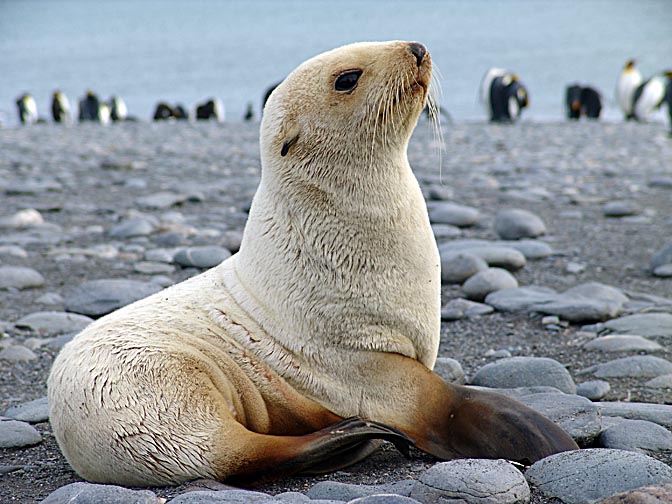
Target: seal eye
x=347 y=81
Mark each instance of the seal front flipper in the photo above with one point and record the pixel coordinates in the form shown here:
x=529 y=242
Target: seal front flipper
x=489 y=425
x=328 y=449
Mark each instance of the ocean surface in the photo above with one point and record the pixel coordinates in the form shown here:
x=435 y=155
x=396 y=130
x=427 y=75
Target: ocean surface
x=188 y=50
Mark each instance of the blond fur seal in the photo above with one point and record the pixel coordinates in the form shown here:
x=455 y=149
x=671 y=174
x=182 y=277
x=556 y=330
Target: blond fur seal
x=329 y=311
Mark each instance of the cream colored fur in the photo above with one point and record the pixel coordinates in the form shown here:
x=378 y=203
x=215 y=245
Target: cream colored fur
x=338 y=266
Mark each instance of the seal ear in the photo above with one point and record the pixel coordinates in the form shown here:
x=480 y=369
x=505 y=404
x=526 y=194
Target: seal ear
x=290 y=136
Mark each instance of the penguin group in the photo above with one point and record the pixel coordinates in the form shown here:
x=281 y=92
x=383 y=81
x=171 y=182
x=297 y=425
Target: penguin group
x=639 y=98
x=91 y=108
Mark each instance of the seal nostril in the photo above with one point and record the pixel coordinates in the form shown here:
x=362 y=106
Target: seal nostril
x=418 y=51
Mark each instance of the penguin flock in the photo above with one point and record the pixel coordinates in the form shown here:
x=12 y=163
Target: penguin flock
x=502 y=94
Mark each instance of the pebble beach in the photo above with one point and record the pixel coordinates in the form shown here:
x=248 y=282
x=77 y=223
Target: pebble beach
x=556 y=249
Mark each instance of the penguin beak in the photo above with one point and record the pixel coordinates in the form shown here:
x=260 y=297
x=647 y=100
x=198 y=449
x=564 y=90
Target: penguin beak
x=575 y=106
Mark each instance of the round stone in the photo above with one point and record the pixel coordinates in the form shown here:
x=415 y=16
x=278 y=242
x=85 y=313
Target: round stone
x=593 y=390
x=620 y=208
x=15 y=434
x=525 y=372
x=52 y=323
x=621 y=343
x=636 y=435
x=451 y=213
x=449 y=370
x=458 y=267
x=514 y=224
x=489 y=280
x=100 y=297
x=18 y=277
x=201 y=257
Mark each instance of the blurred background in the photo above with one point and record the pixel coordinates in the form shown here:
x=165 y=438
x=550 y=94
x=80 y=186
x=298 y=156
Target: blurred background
x=188 y=50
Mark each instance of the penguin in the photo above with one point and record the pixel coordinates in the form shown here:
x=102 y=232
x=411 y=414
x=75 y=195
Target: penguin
x=118 y=109
x=89 y=107
x=163 y=112
x=249 y=112
x=180 y=112
x=27 y=109
x=104 y=113
x=668 y=96
x=60 y=108
x=628 y=81
x=648 y=97
x=503 y=95
x=582 y=100
x=211 y=109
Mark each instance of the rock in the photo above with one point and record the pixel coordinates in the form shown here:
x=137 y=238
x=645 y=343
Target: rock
x=574 y=268
x=100 y=297
x=576 y=415
x=525 y=371
x=443 y=232
x=383 y=499
x=449 y=370
x=472 y=481
x=622 y=343
x=161 y=200
x=459 y=308
x=15 y=434
x=662 y=257
x=231 y=240
x=135 y=226
x=521 y=298
x=620 y=208
x=664 y=271
x=586 y=476
x=458 y=267
x=662 y=381
x=643 y=324
x=651 y=494
x=53 y=323
x=21 y=219
x=33 y=411
x=638 y=366
x=663 y=181
x=586 y=302
x=514 y=224
x=451 y=213
x=13 y=251
x=201 y=257
x=346 y=491
x=17 y=277
x=593 y=390
x=90 y=493
x=50 y=298
x=636 y=435
x=531 y=249
x=501 y=257
x=153 y=268
x=236 y=496
x=657 y=413
x=489 y=280
x=17 y=353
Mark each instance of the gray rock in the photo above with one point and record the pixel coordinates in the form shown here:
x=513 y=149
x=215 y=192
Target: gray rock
x=383 y=499
x=17 y=353
x=621 y=343
x=22 y=219
x=237 y=496
x=663 y=382
x=620 y=208
x=531 y=249
x=593 y=390
x=587 y=302
x=153 y=268
x=449 y=370
x=444 y=232
x=161 y=200
x=50 y=298
x=656 y=413
x=135 y=226
x=347 y=491
x=442 y=212
x=294 y=498
x=525 y=371
x=33 y=187
x=18 y=277
x=15 y=434
x=521 y=298
x=663 y=256
x=52 y=323
x=231 y=240
x=636 y=435
x=13 y=251
x=458 y=267
x=637 y=366
x=472 y=481
x=459 y=308
x=496 y=256
x=513 y=224
x=90 y=493
x=518 y=392
x=576 y=415
x=32 y=411
x=201 y=257
x=489 y=280
x=664 y=271
x=163 y=255
x=587 y=476
x=642 y=324
x=663 y=181
x=100 y=297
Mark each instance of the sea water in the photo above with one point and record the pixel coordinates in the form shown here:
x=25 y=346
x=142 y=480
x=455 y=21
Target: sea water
x=188 y=50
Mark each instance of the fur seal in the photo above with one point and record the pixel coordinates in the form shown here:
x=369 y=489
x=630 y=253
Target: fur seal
x=318 y=337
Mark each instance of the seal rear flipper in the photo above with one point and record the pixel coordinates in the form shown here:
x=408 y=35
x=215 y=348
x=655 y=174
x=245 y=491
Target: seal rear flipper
x=335 y=447
x=489 y=425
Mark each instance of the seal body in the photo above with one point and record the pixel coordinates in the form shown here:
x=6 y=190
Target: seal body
x=330 y=310
x=503 y=95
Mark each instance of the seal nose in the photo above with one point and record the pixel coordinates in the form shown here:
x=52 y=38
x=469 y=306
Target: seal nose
x=418 y=51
